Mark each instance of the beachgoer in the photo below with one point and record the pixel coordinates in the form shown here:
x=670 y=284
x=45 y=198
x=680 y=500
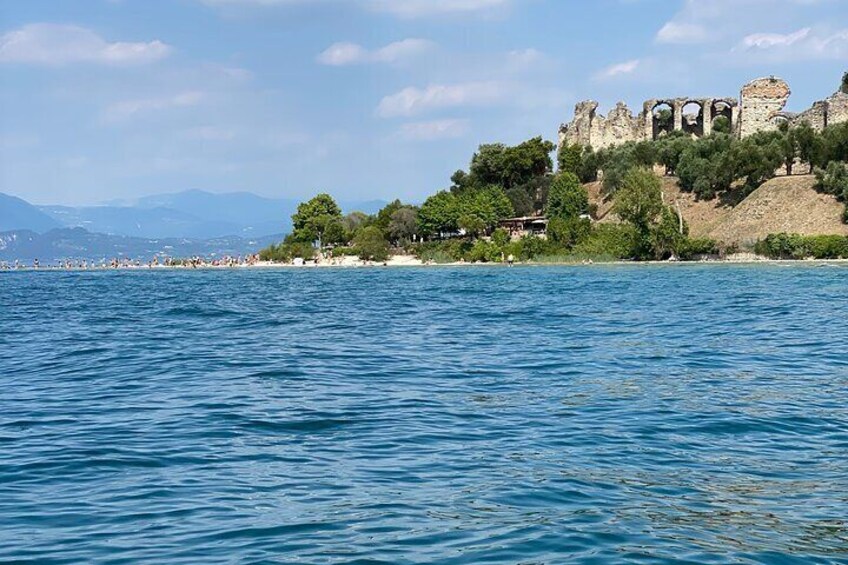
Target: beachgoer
x=510 y=260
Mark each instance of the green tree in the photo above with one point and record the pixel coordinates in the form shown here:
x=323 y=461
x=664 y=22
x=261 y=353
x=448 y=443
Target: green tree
x=843 y=87
x=670 y=148
x=355 y=220
x=472 y=224
x=639 y=202
x=335 y=233
x=404 y=224
x=384 y=216
x=370 y=244
x=312 y=217
x=567 y=198
x=439 y=214
x=522 y=203
x=500 y=237
x=667 y=239
x=506 y=166
x=481 y=209
x=589 y=165
x=569 y=158
x=809 y=144
x=721 y=125
x=568 y=232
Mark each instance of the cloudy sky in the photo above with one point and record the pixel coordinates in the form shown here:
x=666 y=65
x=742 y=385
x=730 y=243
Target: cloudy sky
x=106 y=99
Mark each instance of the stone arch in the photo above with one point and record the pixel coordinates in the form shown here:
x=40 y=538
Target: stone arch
x=663 y=117
x=692 y=116
x=780 y=118
x=722 y=108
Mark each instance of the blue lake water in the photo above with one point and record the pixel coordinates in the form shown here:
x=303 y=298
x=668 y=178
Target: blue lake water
x=627 y=414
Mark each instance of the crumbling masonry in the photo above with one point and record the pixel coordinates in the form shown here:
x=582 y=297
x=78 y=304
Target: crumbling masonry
x=759 y=108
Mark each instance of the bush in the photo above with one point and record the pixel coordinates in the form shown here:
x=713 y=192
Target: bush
x=694 y=247
x=447 y=251
x=484 y=252
x=567 y=198
x=834 y=180
x=609 y=241
x=795 y=246
x=286 y=251
x=568 y=233
x=370 y=244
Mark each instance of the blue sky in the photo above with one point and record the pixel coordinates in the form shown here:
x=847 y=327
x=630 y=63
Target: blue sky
x=115 y=99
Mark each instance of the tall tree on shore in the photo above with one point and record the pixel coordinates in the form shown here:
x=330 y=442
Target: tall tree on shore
x=439 y=214
x=313 y=218
x=567 y=198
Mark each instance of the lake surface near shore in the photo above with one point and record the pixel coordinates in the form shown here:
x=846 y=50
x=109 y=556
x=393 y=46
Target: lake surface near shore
x=603 y=414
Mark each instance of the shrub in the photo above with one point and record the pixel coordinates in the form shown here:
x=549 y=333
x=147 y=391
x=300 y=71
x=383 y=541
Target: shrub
x=568 y=232
x=609 y=241
x=484 y=252
x=834 y=180
x=567 y=198
x=795 y=246
x=286 y=251
x=371 y=245
x=694 y=247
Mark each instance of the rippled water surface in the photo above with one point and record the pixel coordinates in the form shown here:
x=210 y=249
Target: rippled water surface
x=651 y=414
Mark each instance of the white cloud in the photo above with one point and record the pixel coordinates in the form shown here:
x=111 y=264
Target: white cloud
x=56 y=44
x=127 y=109
x=803 y=44
x=427 y=8
x=435 y=129
x=624 y=68
x=340 y=54
x=768 y=40
x=674 y=32
x=411 y=100
x=408 y=9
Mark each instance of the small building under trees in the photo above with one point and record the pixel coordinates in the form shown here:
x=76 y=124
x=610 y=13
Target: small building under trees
x=524 y=225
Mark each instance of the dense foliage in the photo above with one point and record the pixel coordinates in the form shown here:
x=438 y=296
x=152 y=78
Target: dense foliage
x=714 y=164
x=795 y=246
x=502 y=181
x=834 y=180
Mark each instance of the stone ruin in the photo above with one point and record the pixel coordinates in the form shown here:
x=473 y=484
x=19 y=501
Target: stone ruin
x=760 y=107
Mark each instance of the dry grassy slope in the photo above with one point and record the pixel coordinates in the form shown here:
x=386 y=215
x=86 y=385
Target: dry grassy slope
x=783 y=204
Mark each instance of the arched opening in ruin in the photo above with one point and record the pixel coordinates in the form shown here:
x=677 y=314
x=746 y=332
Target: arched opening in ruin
x=780 y=121
x=722 y=113
x=693 y=118
x=662 y=119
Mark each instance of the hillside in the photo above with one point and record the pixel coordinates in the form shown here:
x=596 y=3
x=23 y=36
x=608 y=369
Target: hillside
x=17 y=214
x=783 y=204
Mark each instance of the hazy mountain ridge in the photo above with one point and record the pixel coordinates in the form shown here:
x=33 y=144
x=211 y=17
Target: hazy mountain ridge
x=77 y=243
x=190 y=214
x=18 y=214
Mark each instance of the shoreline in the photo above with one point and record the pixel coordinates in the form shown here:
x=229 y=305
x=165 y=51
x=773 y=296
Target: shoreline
x=410 y=261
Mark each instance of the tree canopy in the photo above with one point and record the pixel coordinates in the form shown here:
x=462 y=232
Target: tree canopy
x=314 y=217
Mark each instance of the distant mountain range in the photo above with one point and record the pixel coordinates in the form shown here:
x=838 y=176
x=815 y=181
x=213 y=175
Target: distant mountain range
x=18 y=214
x=181 y=224
x=77 y=244
x=194 y=214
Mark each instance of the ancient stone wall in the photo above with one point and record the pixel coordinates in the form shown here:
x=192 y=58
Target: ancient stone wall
x=762 y=101
x=760 y=108
x=837 y=109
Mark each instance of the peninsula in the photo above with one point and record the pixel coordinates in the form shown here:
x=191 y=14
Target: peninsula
x=687 y=178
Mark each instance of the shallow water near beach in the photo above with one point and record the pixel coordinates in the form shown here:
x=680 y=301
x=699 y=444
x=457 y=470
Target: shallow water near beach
x=644 y=414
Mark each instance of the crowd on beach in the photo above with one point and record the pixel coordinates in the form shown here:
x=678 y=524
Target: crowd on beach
x=126 y=263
